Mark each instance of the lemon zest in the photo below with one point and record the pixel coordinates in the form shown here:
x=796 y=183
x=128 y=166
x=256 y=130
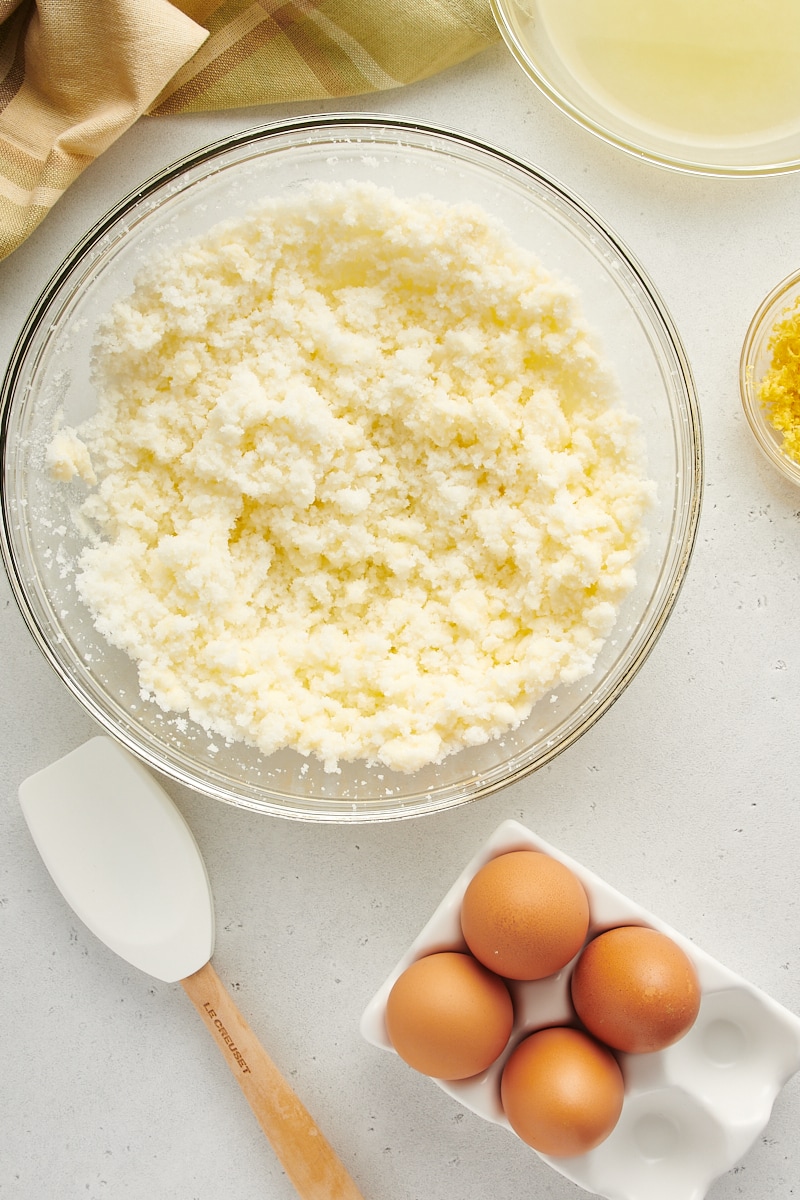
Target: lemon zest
x=779 y=391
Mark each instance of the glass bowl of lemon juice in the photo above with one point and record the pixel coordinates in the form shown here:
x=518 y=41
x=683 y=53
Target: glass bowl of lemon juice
x=706 y=86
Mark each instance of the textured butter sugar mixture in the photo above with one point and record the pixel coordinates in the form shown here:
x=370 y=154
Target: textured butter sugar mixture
x=360 y=482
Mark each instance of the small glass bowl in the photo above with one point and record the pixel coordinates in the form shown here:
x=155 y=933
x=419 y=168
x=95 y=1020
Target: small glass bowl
x=755 y=360
x=667 y=82
x=50 y=374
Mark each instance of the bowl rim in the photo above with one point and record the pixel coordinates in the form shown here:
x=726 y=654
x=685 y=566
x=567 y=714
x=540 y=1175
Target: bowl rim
x=763 y=320
x=422 y=803
x=638 y=150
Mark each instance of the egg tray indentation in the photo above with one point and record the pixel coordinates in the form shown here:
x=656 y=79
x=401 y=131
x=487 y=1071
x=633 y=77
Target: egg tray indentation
x=690 y=1111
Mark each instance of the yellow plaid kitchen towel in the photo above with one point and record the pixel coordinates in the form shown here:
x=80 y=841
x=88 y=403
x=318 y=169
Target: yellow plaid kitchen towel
x=75 y=74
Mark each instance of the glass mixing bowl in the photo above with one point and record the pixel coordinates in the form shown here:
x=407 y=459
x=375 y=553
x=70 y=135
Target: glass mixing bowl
x=709 y=88
x=49 y=374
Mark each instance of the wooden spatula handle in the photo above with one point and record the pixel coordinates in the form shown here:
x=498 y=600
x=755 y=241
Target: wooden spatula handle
x=308 y=1159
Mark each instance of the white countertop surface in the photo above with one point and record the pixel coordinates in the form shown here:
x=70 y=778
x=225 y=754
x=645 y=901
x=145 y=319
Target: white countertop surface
x=685 y=795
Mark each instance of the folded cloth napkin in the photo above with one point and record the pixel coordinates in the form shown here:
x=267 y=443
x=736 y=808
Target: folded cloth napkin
x=75 y=74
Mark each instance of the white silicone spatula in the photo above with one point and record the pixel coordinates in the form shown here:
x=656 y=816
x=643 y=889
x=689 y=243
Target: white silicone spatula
x=126 y=862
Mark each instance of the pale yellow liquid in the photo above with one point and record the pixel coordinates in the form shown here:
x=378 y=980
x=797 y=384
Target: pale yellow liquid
x=714 y=71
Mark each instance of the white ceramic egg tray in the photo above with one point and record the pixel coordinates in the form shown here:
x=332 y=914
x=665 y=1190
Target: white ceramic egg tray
x=690 y=1111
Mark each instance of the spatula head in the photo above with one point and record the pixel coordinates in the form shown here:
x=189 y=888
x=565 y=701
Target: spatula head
x=123 y=857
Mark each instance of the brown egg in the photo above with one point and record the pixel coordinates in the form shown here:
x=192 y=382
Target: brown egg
x=449 y=1017
x=524 y=915
x=562 y=1092
x=635 y=989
